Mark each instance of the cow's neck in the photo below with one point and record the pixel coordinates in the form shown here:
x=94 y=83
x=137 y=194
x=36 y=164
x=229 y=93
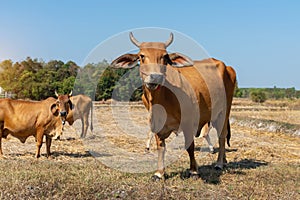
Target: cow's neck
x=165 y=98
x=154 y=96
x=162 y=96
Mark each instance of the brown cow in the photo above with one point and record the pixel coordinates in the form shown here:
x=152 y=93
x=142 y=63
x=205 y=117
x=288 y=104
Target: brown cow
x=22 y=119
x=182 y=94
x=76 y=107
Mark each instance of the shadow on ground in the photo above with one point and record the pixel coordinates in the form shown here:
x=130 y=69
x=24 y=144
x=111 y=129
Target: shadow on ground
x=210 y=175
x=73 y=155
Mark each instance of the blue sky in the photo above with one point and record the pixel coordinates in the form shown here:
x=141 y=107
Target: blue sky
x=260 y=39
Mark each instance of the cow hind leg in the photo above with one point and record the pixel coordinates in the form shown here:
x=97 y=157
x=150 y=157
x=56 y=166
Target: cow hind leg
x=205 y=134
x=85 y=125
x=193 y=164
x=48 y=145
x=1 y=135
x=221 y=156
x=190 y=147
x=148 y=142
x=210 y=145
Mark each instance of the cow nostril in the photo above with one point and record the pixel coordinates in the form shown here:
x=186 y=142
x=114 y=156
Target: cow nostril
x=63 y=113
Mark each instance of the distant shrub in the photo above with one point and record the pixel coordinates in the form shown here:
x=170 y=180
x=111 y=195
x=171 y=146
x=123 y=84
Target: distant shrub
x=258 y=96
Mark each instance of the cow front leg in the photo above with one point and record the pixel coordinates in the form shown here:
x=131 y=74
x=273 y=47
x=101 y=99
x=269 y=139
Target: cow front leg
x=161 y=149
x=39 y=142
x=48 y=145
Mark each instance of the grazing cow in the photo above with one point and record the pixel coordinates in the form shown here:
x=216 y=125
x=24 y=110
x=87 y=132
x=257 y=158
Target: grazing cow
x=182 y=94
x=22 y=119
x=76 y=107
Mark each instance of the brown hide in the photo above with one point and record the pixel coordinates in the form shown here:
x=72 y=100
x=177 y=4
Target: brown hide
x=22 y=119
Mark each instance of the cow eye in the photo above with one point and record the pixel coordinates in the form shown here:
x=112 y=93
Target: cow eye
x=142 y=57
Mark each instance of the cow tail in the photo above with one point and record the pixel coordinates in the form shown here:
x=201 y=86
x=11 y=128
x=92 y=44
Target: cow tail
x=228 y=133
x=92 y=116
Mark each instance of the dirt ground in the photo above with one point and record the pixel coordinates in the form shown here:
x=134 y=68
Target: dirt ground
x=262 y=164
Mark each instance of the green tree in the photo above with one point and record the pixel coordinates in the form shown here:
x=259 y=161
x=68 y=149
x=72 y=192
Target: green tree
x=290 y=93
x=237 y=92
x=36 y=79
x=258 y=95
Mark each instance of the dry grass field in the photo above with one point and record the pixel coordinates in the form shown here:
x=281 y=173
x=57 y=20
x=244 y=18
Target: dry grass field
x=263 y=160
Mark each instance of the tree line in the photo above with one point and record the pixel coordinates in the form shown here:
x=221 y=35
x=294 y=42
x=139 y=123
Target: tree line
x=262 y=94
x=36 y=80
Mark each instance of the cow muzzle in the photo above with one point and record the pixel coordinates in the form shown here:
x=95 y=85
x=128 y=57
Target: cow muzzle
x=154 y=80
x=63 y=115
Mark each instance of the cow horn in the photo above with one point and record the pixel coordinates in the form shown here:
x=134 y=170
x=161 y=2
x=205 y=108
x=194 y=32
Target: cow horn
x=70 y=94
x=170 y=40
x=133 y=40
x=56 y=94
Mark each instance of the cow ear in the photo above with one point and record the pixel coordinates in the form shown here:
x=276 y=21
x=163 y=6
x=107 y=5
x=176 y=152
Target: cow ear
x=54 y=109
x=180 y=60
x=126 y=61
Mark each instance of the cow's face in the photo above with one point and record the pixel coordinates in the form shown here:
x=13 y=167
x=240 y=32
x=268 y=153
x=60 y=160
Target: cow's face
x=153 y=59
x=64 y=105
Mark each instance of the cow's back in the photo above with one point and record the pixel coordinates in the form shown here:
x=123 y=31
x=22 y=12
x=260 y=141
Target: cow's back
x=81 y=106
x=212 y=82
x=21 y=118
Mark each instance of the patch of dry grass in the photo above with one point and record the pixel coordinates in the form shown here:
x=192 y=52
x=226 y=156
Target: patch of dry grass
x=261 y=165
x=242 y=179
x=291 y=104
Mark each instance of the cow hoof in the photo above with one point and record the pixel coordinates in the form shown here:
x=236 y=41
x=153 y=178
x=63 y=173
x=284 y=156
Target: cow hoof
x=211 y=149
x=56 y=138
x=194 y=176
x=218 y=167
x=147 y=150
x=156 y=178
x=82 y=136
